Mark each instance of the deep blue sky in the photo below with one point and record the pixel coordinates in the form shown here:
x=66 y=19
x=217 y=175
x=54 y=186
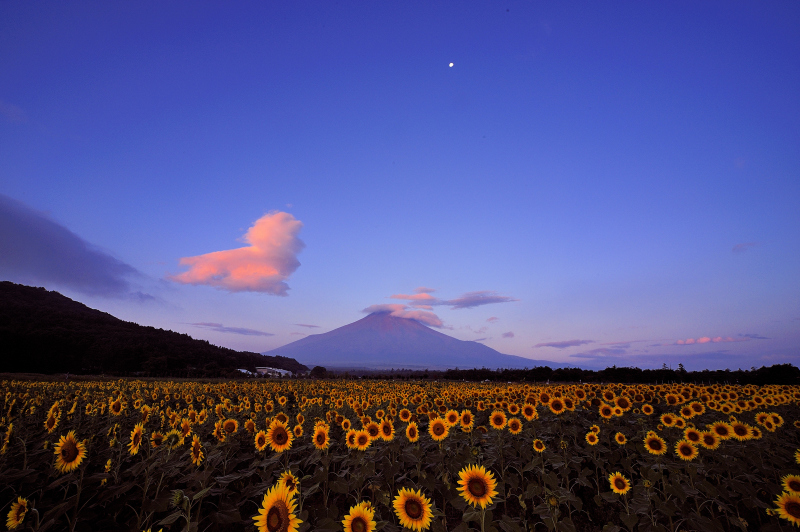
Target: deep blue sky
x=611 y=179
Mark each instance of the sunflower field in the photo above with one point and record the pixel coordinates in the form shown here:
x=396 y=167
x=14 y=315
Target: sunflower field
x=363 y=456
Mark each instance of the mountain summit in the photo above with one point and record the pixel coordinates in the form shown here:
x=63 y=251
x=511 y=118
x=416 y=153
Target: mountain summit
x=382 y=341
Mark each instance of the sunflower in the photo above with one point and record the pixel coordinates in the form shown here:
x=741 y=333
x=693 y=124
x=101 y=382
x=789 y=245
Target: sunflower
x=136 y=439
x=197 y=450
x=591 y=438
x=156 y=439
x=321 y=437
x=362 y=440
x=69 y=453
x=277 y=511
x=51 y=422
x=290 y=481
x=467 y=420
x=710 y=440
x=692 y=435
x=219 y=432
x=595 y=429
x=721 y=429
x=619 y=484
x=789 y=507
x=791 y=483
x=529 y=411
x=350 y=439
x=451 y=417
x=298 y=431
x=373 y=429
x=438 y=429
x=741 y=431
x=115 y=407
x=360 y=519
x=250 y=426
x=686 y=450
x=17 y=513
x=668 y=420
x=278 y=437
x=405 y=415
x=477 y=485
x=498 y=420
x=655 y=444
x=514 y=426
x=620 y=438
x=557 y=406
x=538 y=445
x=413 y=509
x=230 y=426
x=346 y=425
x=412 y=432
x=606 y=411
x=647 y=409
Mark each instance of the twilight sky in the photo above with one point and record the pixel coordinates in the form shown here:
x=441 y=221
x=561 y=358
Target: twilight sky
x=588 y=183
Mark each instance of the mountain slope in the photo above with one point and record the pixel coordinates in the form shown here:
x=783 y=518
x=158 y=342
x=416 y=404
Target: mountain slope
x=46 y=332
x=382 y=341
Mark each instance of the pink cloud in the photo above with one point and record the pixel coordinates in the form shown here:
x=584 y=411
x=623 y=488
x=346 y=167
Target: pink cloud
x=508 y=334
x=401 y=311
x=707 y=339
x=493 y=318
x=414 y=297
x=262 y=266
x=423 y=290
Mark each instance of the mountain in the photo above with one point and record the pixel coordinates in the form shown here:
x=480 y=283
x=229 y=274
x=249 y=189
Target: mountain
x=45 y=332
x=382 y=341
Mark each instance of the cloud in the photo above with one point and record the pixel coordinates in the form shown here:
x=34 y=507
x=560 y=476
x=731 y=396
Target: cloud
x=422 y=298
x=718 y=339
x=297 y=334
x=12 y=113
x=307 y=325
x=600 y=352
x=754 y=336
x=482 y=339
x=36 y=249
x=401 y=311
x=565 y=343
x=508 y=334
x=492 y=319
x=262 y=266
x=218 y=327
x=740 y=248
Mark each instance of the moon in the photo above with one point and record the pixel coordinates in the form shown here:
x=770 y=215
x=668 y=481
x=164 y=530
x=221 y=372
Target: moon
x=451 y=65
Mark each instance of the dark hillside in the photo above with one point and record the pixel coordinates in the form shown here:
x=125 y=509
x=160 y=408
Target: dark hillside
x=45 y=332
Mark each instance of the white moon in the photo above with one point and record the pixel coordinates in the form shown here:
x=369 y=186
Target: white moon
x=451 y=64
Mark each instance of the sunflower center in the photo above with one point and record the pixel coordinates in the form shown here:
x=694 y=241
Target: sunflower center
x=358 y=525
x=794 y=485
x=414 y=509
x=136 y=439
x=320 y=438
x=655 y=445
x=280 y=437
x=362 y=439
x=387 y=430
x=740 y=430
x=686 y=450
x=274 y=519
x=476 y=487
x=793 y=509
x=438 y=429
x=412 y=432
x=619 y=483
x=69 y=452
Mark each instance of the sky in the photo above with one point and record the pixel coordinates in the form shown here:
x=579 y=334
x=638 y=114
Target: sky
x=587 y=183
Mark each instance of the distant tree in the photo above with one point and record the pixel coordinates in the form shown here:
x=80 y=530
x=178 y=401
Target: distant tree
x=318 y=372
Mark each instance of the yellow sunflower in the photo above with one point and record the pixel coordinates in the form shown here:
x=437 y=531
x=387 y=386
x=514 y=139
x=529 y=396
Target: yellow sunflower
x=373 y=429
x=438 y=429
x=298 y=431
x=529 y=411
x=692 y=435
x=278 y=437
x=156 y=439
x=360 y=519
x=789 y=507
x=477 y=485
x=136 y=439
x=655 y=444
x=451 y=417
x=197 y=450
x=69 y=453
x=413 y=509
x=741 y=431
x=791 y=483
x=538 y=446
x=405 y=415
x=591 y=438
x=17 y=513
x=709 y=440
x=557 y=406
x=467 y=420
x=647 y=409
x=230 y=426
x=290 y=481
x=498 y=419
x=606 y=411
x=362 y=440
x=387 y=430
x=514 y=426
x=321 y=437
x=620 y=438
x=686 y=450
x=721 y=429
x=412 y=432
x=260 y=440
x=277 y=512
x=619 y=484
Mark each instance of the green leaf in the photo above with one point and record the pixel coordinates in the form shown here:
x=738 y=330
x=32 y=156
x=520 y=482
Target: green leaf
x=201 y=493
x=174 y=516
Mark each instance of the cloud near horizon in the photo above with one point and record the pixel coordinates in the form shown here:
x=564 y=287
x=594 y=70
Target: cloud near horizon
x=262 y=266
x=719 y=339
x=36 y=249
x=218 y=327
x=744 y=246
x=401 y=311
x=508 y=334
x=564 y=344
x=307 y=325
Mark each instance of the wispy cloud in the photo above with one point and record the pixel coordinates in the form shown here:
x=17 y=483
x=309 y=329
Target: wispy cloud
x=401 y=311
x=740 y=248
x=492 y=319
x=508 y=334
x=36 y=249
x=720 y=339
x=754 y=336
x=307 y=325
x=600 y=352
x=564 y=344
x=218 y=327
x=12 y=113
x=482 y=339
x=262 y=266
x=422 y=298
